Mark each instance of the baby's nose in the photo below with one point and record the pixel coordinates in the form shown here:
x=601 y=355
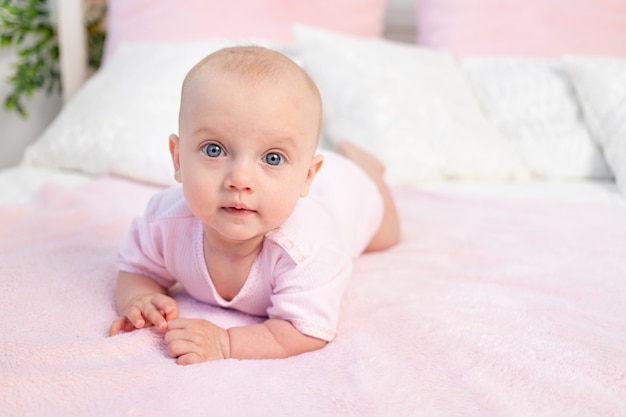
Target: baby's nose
x=240 y=177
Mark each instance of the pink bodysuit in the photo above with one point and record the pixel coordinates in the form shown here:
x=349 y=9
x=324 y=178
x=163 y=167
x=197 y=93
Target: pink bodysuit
x=303 y=267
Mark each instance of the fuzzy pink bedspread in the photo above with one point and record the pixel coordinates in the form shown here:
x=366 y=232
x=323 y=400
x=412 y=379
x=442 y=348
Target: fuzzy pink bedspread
x=487 y=308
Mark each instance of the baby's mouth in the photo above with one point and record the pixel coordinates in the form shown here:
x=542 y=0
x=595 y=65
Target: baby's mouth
x=238 y=211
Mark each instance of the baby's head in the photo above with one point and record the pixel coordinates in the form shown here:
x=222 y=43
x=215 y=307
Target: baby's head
x=253 y=67
x=249 y=125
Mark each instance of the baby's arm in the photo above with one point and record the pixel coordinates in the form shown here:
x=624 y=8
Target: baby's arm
x=194 y=340
x=273 y=338
x=141 y=301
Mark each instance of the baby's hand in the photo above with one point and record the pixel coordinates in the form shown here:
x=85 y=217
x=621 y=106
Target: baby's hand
x=146 y=310
x=195 y=340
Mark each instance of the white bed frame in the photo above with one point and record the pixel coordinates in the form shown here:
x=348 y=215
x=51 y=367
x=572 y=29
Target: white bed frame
x=72 y=46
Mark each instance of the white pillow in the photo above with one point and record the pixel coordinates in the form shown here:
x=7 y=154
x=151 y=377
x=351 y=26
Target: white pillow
x=412 y=106
x=534 y=105
x=601 y=86
x=120 y=120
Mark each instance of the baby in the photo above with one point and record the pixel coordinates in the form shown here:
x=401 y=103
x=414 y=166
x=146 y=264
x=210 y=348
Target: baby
x=240 y=233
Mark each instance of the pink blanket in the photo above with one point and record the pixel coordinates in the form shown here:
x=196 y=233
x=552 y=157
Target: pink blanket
x=487 y=307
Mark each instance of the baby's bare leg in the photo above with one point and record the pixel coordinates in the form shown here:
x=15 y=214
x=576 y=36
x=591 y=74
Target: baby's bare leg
x=388 y=234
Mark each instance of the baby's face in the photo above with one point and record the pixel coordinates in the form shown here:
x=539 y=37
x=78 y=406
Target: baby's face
x=245 y=153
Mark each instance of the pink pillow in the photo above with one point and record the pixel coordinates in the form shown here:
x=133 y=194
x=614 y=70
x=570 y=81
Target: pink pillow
x=546 y=28
x=190 y=20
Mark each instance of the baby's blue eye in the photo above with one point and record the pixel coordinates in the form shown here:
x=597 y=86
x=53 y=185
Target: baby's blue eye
x=212 y=150
x=273 y=159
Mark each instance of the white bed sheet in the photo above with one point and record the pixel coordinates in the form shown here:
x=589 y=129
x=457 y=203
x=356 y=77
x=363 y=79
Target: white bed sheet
x=576 y=191
x=20 y=184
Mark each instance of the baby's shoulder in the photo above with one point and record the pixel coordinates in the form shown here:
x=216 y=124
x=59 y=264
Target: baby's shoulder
x=308 y=230
x=168 y=204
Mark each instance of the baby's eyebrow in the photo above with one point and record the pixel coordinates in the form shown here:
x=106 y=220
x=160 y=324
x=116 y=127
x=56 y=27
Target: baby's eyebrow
x=203 y=130
x=282 y=140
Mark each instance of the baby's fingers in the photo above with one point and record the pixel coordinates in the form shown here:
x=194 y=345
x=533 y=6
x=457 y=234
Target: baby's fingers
x=132 y=320
x=166 y=306
x=153 y=316
x=121 y=324
x=116 y=326
x=159 y=310
x=152 y=309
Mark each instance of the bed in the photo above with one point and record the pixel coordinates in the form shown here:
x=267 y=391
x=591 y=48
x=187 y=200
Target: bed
x=507 y=157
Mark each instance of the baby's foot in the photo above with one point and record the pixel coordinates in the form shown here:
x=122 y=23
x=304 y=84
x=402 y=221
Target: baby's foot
x=365 y=160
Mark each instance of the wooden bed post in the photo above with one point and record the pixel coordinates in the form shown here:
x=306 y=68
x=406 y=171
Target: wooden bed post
x=72 y=46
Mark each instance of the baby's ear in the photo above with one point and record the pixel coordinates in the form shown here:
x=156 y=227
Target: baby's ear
x=316 y=164
x=175 y=156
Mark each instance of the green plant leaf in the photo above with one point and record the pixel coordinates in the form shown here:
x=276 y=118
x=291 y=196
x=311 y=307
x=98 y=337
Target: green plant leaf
x=25 y=25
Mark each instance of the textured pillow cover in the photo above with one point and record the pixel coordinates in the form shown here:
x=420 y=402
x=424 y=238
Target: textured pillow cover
x=192 y=20
x=534 y=105
x=542 y=28
x=412 y=106
x=601 y=86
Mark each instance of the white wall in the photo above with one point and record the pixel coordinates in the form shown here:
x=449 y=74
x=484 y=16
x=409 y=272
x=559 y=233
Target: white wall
x=17 y=133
